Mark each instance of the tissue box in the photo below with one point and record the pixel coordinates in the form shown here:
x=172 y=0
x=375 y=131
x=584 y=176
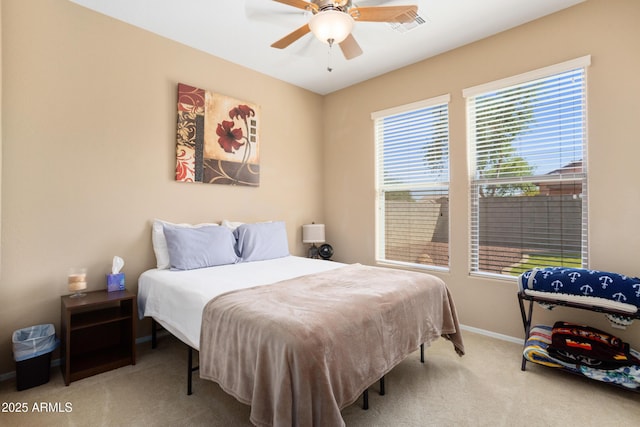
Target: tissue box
x=115 y=282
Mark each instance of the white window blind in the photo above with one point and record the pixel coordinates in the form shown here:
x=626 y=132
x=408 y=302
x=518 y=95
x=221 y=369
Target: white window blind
x=412 y=171
x=528 y=171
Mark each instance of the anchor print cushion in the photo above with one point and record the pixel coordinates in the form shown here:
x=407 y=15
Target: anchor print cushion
x=583 y=282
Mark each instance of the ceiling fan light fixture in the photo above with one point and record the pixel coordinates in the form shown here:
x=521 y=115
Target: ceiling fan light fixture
x=331 y=26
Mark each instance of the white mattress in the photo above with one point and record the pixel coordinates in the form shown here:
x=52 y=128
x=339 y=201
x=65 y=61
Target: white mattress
x=176 y=299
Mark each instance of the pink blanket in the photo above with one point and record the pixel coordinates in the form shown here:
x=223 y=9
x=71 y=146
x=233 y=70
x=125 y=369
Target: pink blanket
x=300 y=350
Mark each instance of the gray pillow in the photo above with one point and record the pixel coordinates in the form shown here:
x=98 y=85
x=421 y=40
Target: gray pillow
x=206 y=246
x=262 y=240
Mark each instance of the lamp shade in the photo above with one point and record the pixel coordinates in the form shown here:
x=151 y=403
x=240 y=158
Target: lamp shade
x=313 y=233
x=331 y=26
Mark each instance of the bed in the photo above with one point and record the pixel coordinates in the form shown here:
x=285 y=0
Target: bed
x=298 y=339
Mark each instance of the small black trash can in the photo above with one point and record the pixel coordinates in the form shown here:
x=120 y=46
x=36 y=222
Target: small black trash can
x=32 y=348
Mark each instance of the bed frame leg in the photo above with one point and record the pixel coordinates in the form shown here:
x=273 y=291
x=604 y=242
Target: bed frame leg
x=154 y=333
x=422 y=353
x=190 y=370
x=365 y=394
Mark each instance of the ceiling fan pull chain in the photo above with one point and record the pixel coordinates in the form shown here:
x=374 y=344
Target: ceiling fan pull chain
x=329 y=68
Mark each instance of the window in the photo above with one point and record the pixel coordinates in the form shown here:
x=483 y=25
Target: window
x=412 y=176
x=527 y=138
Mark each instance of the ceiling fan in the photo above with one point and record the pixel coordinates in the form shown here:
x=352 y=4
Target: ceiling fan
x=331 y=22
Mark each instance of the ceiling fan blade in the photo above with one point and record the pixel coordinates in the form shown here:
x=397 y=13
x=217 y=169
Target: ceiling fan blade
x=400 y=14
x=300 y=4
x=374 y=2
x=350 y=47
x=291 y=37
x=260 y=10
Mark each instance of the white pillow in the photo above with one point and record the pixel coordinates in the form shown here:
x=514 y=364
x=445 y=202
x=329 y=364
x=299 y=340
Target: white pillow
x=235 y=224
x=231 y=224
x=160 y=242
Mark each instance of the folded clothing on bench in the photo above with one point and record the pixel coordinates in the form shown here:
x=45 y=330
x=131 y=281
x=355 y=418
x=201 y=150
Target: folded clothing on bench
x=537 y=351
x=536 y=348
x=588 y=346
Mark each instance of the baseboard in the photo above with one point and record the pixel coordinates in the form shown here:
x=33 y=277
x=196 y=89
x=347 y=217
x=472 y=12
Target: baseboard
x=147 y=338
x=56 y=362
x=492 y=334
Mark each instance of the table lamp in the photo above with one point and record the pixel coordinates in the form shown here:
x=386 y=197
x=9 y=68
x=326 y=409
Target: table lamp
x=313 y=233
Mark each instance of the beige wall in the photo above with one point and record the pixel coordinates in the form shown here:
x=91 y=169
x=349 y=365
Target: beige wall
x=607 y=30
x=0 y=137
x=88 y=136
x=89 y=114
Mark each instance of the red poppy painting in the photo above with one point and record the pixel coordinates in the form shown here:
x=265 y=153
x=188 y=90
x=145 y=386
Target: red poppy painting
x=217 y=139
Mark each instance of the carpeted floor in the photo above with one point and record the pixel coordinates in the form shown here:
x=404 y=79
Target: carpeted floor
x=484 y=388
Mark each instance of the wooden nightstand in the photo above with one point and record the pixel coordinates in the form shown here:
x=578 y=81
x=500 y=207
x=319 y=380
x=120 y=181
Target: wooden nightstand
x=98 y=333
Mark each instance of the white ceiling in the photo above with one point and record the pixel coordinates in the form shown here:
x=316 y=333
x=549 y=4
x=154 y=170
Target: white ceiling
x=241 y=31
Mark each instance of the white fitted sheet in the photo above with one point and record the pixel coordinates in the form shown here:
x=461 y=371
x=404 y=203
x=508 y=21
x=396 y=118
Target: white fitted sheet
x=176 y=299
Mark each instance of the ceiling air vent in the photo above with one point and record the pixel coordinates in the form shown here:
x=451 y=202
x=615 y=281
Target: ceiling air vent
x=409 y=24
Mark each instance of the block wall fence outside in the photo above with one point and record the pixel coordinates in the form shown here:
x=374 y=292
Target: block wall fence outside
x=510 y=219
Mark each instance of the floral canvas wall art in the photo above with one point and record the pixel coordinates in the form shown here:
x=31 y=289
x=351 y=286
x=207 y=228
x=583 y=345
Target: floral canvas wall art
x=217 y=138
